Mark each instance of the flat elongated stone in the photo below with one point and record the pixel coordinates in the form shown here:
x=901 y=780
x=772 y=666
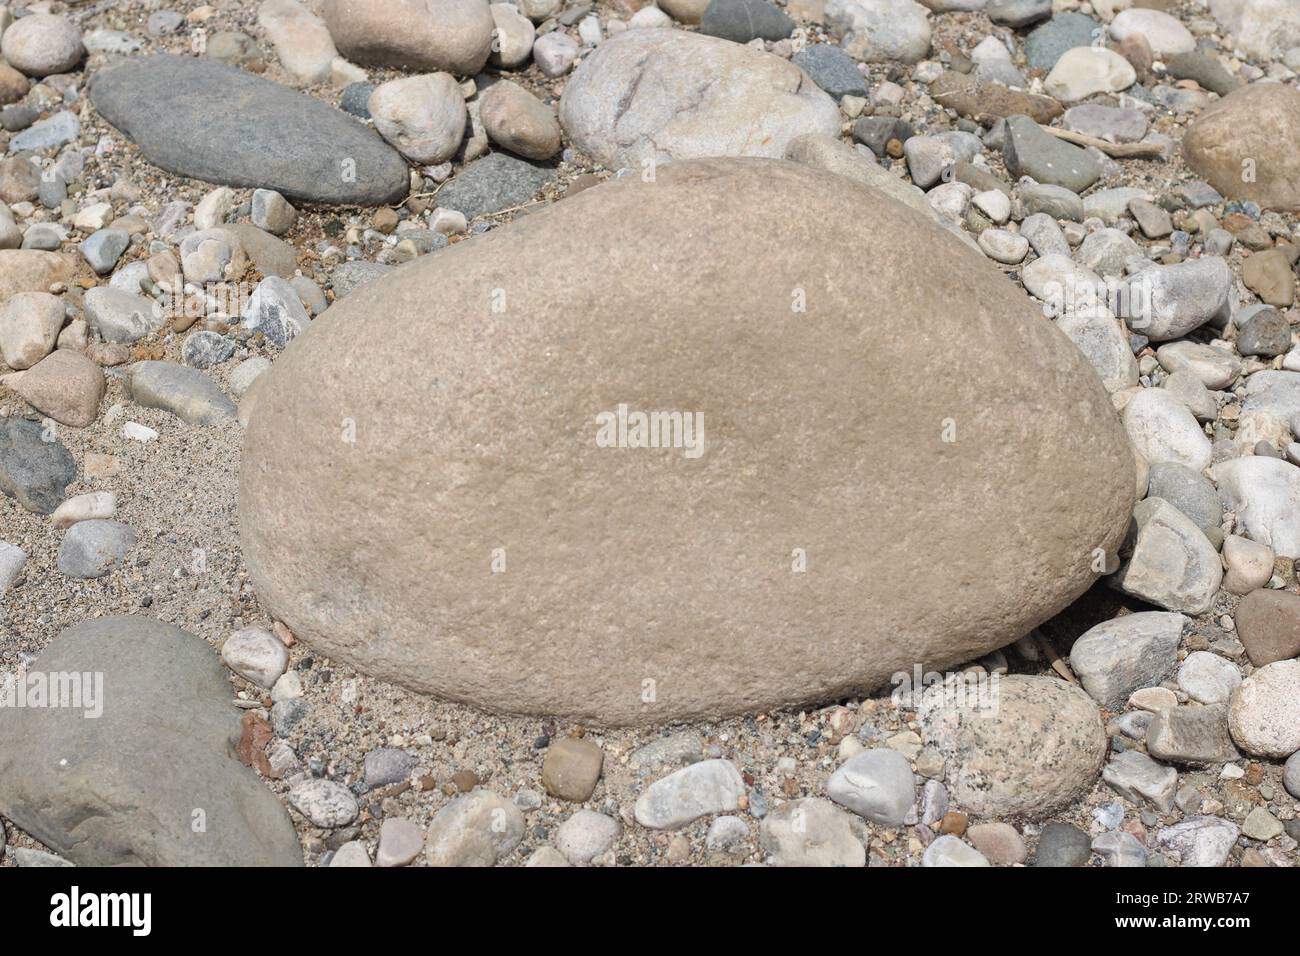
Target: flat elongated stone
x=1029 y=151
x=343 y=547
x=214 y=122
x=185 y=392
x=986 y=101
x=710 y=786
x=1137 y=777
x=127 y=786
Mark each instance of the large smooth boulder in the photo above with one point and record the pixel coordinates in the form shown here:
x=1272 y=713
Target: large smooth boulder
x=1244 y=145
x=209 y=121
x=789 y=557
x=666 y=95
x=414 y=35
x=139 y=767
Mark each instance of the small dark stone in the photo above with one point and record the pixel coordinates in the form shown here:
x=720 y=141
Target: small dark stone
x=35 y=467
x=387 y=765
x=16 y=118
x=745 y=20
x=1265 y=333
x=285 y=714
x=1205 y=70
x=875 y=132
x=356 y=99
x=1063 y=845
x=832 y=69
x=494 y=183
x=1048 y=43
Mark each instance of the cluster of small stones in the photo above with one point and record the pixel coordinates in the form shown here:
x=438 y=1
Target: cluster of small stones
x=111 y=395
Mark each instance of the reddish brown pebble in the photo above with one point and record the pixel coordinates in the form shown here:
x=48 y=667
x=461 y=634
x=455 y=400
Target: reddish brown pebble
x=954 y=822
x=254 y=734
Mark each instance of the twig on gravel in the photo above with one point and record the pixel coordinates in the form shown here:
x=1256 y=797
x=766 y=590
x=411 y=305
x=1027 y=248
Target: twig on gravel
x=1057 y=661
x=1113 y=150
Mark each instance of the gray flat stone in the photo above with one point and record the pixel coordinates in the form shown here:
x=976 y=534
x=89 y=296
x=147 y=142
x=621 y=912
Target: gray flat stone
x=1136 y=777
x=62 y=127
x=185 y=392
x=877 y=784
x=120 y=316
x=217 y=123
x=91 y=549
x=743 y=20
x=1062 y=845
x=493 y=183
x=348 y=276
x=832 y=69
x=1031 y=152
x=1192 y=735
x=1055 y=201
x=33 y=470
x=103 y=248
x=153 y=779
x=1187 y=491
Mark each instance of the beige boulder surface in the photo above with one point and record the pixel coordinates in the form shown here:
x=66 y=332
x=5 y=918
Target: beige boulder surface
x=30 y=270
x=449 y=518
x=415 y=35
x=1244 y=145
x=661 y=95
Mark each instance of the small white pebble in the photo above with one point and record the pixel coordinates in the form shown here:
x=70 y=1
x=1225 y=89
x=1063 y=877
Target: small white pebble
x=137 y=432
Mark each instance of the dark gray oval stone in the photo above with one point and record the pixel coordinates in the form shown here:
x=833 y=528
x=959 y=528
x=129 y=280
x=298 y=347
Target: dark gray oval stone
x=222 y=125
